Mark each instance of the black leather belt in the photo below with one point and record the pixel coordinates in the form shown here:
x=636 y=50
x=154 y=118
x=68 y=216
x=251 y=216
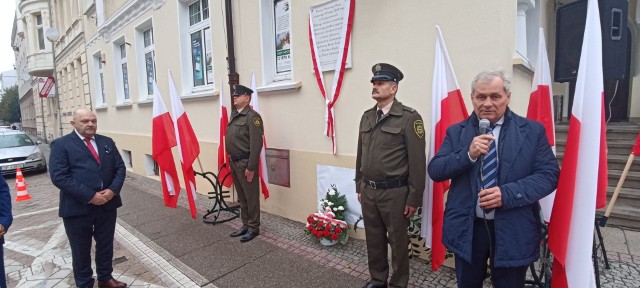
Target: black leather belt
x=389 y=184
x=239 y=157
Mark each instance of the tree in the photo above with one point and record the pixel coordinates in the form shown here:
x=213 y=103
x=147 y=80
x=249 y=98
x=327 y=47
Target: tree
x=9 y=105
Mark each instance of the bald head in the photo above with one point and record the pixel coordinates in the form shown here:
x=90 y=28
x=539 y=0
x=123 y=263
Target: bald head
x=85 y=122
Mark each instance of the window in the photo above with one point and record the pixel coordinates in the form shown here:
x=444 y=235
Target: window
x=40 y=31
x=126 y=158
x=122 y=71
x=197 y=49
x=145 y=57
x=152 y=167
x=201 y=62
x=276 y=40
x=98 y=79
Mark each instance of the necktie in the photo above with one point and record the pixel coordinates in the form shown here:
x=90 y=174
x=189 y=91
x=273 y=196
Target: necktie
x=92 y=150
x=379 y=114
x=490 y=167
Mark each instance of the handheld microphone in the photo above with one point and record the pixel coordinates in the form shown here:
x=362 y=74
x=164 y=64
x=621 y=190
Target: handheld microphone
x=484 y=126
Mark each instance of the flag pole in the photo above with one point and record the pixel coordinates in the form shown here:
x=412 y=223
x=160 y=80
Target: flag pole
x=612 y=202
x=200 y=164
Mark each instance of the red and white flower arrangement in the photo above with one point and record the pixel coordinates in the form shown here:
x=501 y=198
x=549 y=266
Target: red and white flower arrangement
x=323 y=224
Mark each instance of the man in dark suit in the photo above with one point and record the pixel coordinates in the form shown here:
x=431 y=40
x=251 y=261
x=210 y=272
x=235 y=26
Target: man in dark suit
x=498 y=176
x=5 y=221
x=89 y=172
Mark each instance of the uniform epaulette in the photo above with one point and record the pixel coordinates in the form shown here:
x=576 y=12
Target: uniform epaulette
x=408 y=108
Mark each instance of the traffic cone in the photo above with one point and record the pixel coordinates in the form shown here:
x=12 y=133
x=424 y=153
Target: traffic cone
x=21 y=186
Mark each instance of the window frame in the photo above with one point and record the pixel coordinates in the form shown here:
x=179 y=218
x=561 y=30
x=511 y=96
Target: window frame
x=39 y=32
x=268 y=43
x=145 y=91
x=199 y=30
x=121 y=87
x=98 y=79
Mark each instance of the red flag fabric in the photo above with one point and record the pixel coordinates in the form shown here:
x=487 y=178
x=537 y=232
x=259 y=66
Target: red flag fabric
x=187 y=145
x=448 y=108
x=540 y=109
x=262 y=172
x=224 y=174
x=583 y=178
x=636 y=148
x=162 y=140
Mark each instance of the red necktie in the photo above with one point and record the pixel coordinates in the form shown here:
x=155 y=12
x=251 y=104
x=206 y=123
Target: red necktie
x=92 y=150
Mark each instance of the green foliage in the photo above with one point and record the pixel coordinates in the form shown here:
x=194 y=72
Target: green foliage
x=9 y=105
x=335 y=202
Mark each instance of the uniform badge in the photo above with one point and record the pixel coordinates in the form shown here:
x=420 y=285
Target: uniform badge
x=378 y=68
x=256 y=121
x=417 y=125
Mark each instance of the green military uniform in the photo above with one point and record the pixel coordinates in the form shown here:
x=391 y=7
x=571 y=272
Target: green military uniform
x=390 y=173
x=244 y=143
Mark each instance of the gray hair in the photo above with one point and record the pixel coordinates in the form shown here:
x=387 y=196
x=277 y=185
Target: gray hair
x=488 y=76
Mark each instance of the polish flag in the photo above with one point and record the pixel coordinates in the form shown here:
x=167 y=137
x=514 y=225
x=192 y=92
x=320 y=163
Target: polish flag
x=583 y=178
x=447 y=108
x=636 y=148
x=263 y=172
x=188 y=146
x=540 y=109
x=162 y=139
x=224 y=174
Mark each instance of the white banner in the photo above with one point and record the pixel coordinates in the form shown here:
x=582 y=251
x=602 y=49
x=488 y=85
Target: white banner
x=342 y=178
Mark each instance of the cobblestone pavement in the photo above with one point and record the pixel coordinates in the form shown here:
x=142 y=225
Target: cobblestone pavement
x=37 y=253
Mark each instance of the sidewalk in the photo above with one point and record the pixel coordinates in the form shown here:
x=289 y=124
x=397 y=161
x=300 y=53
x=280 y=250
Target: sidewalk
x=158 y=246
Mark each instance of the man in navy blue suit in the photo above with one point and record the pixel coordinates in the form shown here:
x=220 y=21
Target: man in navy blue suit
x=5 y=221
x=497 y=178
x=89 y=172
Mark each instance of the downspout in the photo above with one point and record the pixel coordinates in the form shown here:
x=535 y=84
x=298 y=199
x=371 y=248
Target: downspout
x=234 y=78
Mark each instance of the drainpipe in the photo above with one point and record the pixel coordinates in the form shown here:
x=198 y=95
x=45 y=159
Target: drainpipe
x=234 y=78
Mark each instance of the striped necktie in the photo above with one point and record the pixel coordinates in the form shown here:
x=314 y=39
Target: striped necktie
x=490 y=165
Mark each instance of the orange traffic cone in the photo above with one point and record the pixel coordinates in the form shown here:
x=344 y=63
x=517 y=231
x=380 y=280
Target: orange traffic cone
x=21 y=186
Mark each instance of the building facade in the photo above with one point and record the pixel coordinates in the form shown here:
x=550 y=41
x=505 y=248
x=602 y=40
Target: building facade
x=132 y=43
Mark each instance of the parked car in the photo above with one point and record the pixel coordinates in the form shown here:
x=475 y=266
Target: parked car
x=17 y=150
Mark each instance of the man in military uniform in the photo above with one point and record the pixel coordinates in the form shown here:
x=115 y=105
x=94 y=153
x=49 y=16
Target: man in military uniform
x=244 y=143
x=390 y=176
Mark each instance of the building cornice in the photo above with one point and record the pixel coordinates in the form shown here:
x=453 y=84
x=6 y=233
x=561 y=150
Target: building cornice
x=128 y=13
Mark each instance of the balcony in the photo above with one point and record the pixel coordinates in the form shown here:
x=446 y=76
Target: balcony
x=40 y=64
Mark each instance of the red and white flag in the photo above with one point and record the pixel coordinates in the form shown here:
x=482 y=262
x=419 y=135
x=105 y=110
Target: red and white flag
x=583 y=179
x=188 y=145
x=636 y=148
x=263 y=172
x=224 y=174
x=541 y=109
x=162 y=139
x=447 y=108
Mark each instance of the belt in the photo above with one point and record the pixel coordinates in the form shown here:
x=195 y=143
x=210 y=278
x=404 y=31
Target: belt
x=396 y=183
x=239 y=157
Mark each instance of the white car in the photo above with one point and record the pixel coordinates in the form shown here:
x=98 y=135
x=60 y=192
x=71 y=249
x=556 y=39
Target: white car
x=17 y=150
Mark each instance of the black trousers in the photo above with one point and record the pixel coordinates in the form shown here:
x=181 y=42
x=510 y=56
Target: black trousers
x=99 y=225
x=472 y=275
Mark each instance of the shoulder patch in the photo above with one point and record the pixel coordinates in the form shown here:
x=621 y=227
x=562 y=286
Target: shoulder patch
x=419 y=128
x=257 y=121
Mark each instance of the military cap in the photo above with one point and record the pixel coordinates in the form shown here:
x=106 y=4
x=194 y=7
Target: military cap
x=241 y=90
x=386 y=72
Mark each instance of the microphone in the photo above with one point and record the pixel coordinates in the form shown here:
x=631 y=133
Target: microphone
x=484 y=126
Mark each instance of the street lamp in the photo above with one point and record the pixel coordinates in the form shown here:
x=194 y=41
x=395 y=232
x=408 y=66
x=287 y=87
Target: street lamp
x=53 y=35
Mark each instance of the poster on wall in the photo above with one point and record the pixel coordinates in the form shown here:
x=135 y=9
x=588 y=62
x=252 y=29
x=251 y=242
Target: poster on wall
x=342 y=178
x=329 y=19
x=196 y=54
x=282 y=35
x=208 y=55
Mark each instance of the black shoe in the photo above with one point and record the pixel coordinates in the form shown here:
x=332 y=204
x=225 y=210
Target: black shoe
x=239 y=233
x=369 y=285
x=249 y=236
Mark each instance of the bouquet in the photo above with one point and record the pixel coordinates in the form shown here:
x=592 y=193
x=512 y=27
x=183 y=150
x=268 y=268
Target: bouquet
x=329 y=222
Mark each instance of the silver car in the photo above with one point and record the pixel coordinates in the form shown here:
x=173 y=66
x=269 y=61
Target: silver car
x=17 y=150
